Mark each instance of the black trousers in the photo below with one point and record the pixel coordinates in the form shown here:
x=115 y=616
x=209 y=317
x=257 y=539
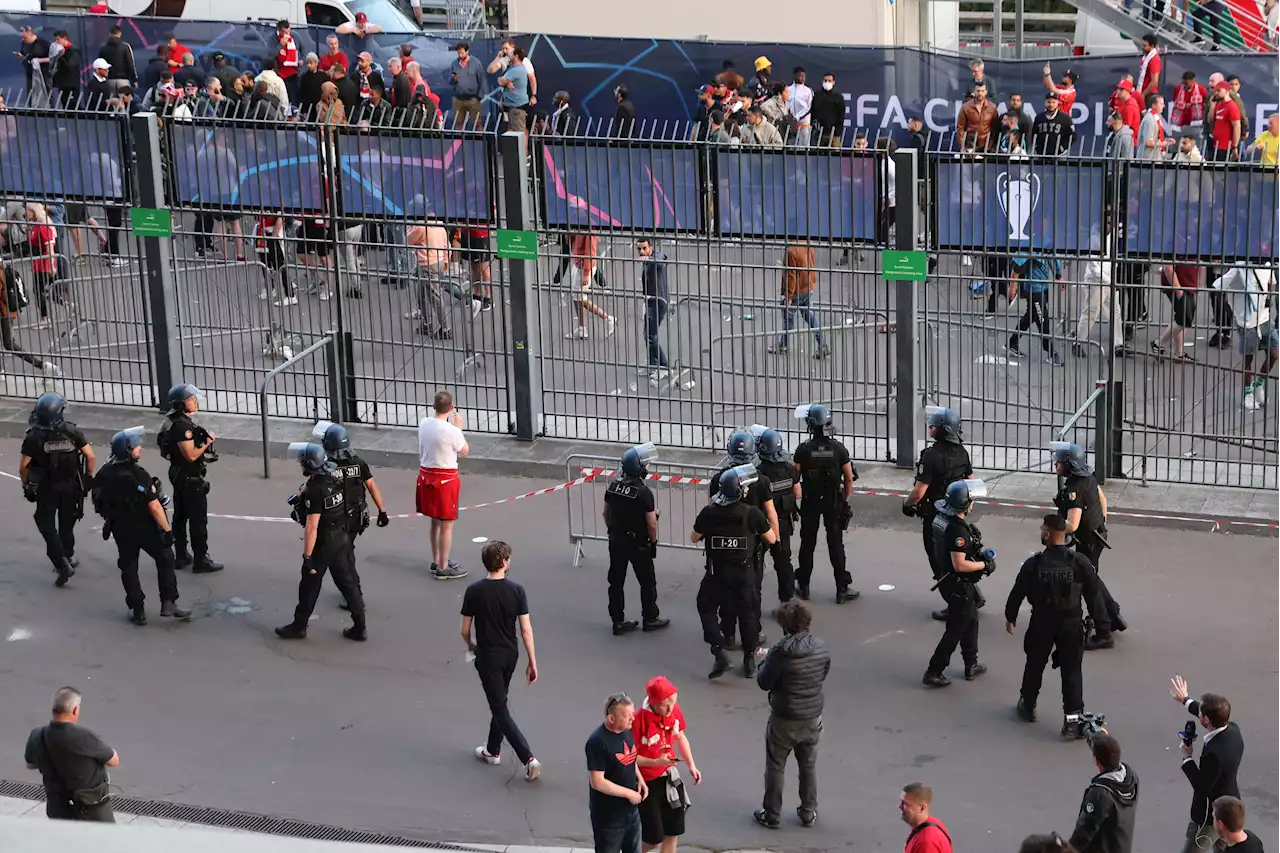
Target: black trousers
x=115 y=223
x=57 y=808
x=734 y=596
x=757 y=584
x=57 y=511
x=495 y=678
x=634 y=552
x=1105 y=613
x=781 y=552
x=828 y=512
x=190 y=514
x=130 y=542
x=1037 y=312
x=11 y=345
x=962 y=626
x=1041 y=639
x=336 y=554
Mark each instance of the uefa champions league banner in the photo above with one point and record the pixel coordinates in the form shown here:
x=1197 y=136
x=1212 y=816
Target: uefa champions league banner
x=823 y=195
x=55 y=156
x=1175 y=212
x=650 y=187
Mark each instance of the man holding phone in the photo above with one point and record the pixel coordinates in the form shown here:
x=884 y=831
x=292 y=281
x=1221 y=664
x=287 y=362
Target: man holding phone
x=440 y=443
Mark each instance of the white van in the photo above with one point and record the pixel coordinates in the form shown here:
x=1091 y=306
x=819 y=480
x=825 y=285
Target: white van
x=327 y=14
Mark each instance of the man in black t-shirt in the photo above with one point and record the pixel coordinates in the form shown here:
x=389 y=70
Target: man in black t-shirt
x=494 y=606
x=73 y=762
x=1228 y=820
x=616 y=788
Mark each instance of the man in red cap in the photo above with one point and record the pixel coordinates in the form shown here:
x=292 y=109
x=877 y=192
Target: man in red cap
x=358 y=28
x=1127 y=106
x=661 y=743
x=1225 y=119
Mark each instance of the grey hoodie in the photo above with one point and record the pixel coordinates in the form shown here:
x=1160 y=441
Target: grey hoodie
x=1120 y=144
x=1105 y=823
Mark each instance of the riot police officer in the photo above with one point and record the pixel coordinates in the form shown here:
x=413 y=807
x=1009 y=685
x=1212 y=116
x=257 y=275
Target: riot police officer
x=326 y=543
x=129 y=500
x=781 y=474
x=740 y=450
x=357 y=480
x=826 y=481
x=959 y=562
x=189 y=449
x=733 y=530
x=1081 y=502
x=630 y=514
x=54 y=477
x=941 y=464
x=1054 y=581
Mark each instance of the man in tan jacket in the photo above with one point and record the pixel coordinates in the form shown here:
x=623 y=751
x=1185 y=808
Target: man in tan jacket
x=978 y=121
x=799 y=278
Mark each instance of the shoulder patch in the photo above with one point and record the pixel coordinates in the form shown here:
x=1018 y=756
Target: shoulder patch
x=959 y=541
x=1071 y=496
x=1088 y=807
x=190 y=434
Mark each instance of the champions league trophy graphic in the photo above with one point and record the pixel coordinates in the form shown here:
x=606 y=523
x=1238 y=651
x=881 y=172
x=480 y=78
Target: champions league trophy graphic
x=1018 y=198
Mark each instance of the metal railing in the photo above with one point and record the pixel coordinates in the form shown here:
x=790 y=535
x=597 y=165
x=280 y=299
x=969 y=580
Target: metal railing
x=328 y=343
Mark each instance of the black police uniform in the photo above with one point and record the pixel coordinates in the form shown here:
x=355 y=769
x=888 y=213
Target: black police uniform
x=1081 y=492
x=820 y=462
x=334 y=550
x=56 y=472
x=951 y=534
x=355 y=473
x=781 y=477
x=757 y=495
x=190 y=488
x=732 y=535
x=1055 y=581
x=940 y=465
x=123 y=492
x=629 y=501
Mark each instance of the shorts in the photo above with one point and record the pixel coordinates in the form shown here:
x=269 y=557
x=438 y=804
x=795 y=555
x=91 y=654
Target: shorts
x=1184 y=307
x=657 y=819
x=77 y=214
x=474 y=249
x=314 y=238
x=517 y=119
x=580 y=285
x=1259 y=339
x=437 y=493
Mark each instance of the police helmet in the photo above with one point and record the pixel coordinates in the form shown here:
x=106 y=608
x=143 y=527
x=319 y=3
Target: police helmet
x=125 y=442
x=945 y=421
x=48 y=410
x=333 y=437
x=770 y=446
x=635 y=461
x=312 y=457
x=180 y=394
x=960 y=495
x=733 y=484
x=740 y=447
x=816 y=417
x=1072 y=455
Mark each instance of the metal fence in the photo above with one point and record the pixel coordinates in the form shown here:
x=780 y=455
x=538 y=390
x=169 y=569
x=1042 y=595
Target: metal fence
x=771 y=291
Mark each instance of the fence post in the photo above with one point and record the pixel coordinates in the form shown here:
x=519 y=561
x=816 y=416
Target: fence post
x=907 y=368
x=157 y=255
x=1102 y=435
x=522 y=275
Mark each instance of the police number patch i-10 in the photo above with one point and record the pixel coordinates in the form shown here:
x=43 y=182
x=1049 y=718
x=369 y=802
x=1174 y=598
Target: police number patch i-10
x=626 y=490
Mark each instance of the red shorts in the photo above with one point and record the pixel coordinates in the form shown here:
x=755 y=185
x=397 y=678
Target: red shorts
x=438 y=490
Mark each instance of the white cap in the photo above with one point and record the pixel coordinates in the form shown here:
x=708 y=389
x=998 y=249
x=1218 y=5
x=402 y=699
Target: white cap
x=101 y=64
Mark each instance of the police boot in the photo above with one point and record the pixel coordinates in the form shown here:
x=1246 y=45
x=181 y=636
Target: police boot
x=973 y=670
x=730 y=641
x=73 y=561
x=655 y=624
x=846 y=594
x=205 y=564
x=181 y=556
x=620 y=628
x=1095 y=642
x=1025 y=712
x=802 y=593
x=65 y=573
x=171 y=608
x=355 y=632
x=749 y=663
x=292 y=632
x=138 y=616
x=722 y=664
x=936 y=679
x=1071 y=731
x=940 y=615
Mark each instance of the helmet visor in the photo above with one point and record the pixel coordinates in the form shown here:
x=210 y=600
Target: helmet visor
x=648 y=452
x=298 y=450
x=747 y=474
x=933 y=414
x=802 y=411
x=321 y=428
x=977 y=489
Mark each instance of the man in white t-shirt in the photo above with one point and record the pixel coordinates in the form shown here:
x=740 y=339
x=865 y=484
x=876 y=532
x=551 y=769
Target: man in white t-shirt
x=1247 y=290
x=440 y=443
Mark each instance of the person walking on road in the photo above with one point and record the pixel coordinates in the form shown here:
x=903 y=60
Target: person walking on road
x=73 y=762
x=495 y=606
x=440 y=443
x=799 y=279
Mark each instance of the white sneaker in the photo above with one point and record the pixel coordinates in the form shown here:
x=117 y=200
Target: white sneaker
x=51 y=369
x=609 y=324
x=532 y=770
x=1260 y=393
x=263 y=294
x=578 y=333
x=285 y=302
x=482 y=754
x=476 y=306
x=415 y=314
x=1251 y=401
x=114 y=261
x=645 y=371
x=323 y=296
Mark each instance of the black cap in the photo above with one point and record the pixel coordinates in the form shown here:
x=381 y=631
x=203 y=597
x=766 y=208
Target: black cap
x=218 y=56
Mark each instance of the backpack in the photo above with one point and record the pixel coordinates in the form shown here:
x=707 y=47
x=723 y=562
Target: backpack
x=15 y=291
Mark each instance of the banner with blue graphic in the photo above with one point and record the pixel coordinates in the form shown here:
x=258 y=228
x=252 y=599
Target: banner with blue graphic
x=257 y=167
x=773 y=194
x=444 y=177
x=53 y=156
x=650 y=187
x=1003 y=203
x=1175 y=211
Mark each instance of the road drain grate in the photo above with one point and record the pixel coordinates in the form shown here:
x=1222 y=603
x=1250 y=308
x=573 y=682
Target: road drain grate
x=235 y=820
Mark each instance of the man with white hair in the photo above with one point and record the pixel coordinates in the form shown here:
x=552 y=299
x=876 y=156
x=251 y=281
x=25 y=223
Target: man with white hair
x=73 y=762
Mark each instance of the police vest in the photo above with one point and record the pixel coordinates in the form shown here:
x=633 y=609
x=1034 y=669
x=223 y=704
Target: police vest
x=731 y=546
x=325 y=494
x=820 y=472
x=174 y=432
x=940 y=552
x=59 y=459
x=955 y=466
x=627 y=507
x=782 y=480
x=1055 y=583
x=353 y=494
x=117 y=493
x=1083 y=489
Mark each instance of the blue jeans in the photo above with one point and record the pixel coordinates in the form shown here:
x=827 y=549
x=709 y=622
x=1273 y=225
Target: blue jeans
x=398 y=255
x=799 y=302
x=654 y=313
x=619 y=837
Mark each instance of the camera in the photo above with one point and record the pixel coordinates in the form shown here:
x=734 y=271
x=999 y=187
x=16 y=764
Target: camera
x=1088 y=725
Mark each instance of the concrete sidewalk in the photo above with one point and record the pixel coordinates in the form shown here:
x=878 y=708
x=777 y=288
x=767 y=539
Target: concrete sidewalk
x=548 y=458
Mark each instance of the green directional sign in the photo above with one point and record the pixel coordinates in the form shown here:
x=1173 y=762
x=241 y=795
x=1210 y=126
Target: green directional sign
x=904 y=266
x=518 y=245
x=151 y=222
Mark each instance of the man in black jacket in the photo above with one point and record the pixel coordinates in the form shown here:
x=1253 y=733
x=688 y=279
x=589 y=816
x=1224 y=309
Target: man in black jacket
x=33 y=48
x=828 y=112
x=66 y=71
x=624 y=119
x=156 y=66
x=119 y=56
x=1219 y=761
x=1105 y=822
x=793 y=673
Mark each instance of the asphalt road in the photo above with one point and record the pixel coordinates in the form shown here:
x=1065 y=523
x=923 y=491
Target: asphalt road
x=220 y=713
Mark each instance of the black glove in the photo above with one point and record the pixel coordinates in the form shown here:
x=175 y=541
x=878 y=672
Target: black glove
x=106 y=530
x=166 y=538
x=846 y=515
x=383 y=519
x=909 y=510
x=306 y=565
x=29 y=492
x=653 y=548
x=795 y=513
